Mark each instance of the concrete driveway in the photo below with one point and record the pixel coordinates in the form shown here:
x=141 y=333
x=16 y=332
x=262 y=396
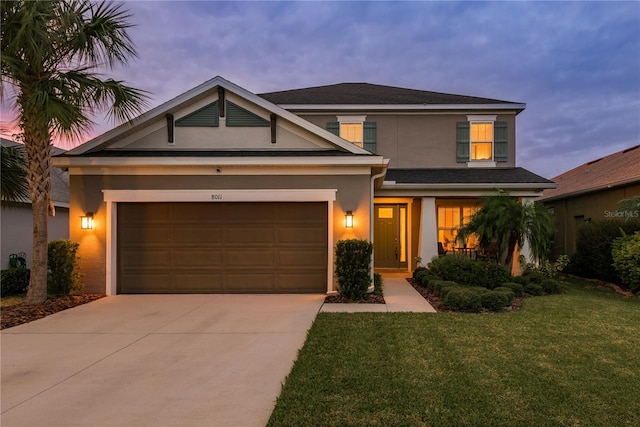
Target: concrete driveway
x=154 y=360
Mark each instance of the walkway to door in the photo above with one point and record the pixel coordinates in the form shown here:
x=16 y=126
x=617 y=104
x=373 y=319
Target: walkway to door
x=399 y=296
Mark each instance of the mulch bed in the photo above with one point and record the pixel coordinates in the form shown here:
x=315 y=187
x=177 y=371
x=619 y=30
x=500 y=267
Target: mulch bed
x=19 y=314
x=341 y=299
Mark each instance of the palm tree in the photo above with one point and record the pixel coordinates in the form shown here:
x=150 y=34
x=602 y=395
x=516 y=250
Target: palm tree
x=510 y=223
x=51 y=52
x=13 y=189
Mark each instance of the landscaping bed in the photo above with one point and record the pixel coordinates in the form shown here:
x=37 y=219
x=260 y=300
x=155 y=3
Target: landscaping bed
x=18 y=314
x=341 y=299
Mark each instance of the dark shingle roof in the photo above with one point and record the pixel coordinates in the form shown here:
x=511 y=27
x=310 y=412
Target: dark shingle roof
x=465 y=176
x=370 y=94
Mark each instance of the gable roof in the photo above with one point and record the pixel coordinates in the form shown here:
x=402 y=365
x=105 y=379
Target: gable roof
x=610 y=171
x=200 y=92
x=367 y=94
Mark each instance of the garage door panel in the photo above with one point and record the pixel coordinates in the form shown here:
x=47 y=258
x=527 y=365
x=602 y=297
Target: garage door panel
x=296 y=235
x=222 y=247
x=196 y=258
x=243 y=235
x=186 y=234
x=136 y=257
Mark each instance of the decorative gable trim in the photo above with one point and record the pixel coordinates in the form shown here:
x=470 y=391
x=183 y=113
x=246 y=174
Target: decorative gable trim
x=206 y=116
x=240 y=117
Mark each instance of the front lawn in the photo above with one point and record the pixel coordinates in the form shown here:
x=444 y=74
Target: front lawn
x=561 y=360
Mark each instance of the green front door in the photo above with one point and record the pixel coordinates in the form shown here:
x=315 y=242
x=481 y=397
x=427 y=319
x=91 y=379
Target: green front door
x=390 y=236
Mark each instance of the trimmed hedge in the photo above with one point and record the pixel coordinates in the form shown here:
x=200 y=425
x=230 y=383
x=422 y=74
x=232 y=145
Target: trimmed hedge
x=495 y=300
x=464 y=299
x=534 y=289
x=470 y=272
x=551 y=286
x=507 y=291
x=62 y=260
x=14 y=281
x=353 y=267
x=441 y=287
x=516 y=288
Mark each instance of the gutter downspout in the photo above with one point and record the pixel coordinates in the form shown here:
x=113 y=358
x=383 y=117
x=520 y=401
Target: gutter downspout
x=371 y=221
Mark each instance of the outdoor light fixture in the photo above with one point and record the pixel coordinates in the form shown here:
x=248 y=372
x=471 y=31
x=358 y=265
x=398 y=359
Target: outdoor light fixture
x=86 y=221
x=348 y=220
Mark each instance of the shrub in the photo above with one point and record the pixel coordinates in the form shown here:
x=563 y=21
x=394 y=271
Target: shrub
x=377 y=284
x=550 y=269
x=470 y=272
x=417 y=271
x=464 y=299
x=626 y=260
x=551 y=286
x=507 y=291
x=423 y=277
x=516 y=288
x=593 y=257
x=437 y=286
x=14 y=281
x=534 y=289
x=494 y=301
x=533 y=275
x=62 y=278
x=353 y=266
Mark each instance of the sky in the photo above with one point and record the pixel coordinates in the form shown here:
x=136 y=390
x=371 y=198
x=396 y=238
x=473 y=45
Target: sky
x=575 y=64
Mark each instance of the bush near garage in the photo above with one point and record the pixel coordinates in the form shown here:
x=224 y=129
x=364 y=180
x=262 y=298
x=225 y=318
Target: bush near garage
x=353 y=267
x=63 y=277
x=626 y=260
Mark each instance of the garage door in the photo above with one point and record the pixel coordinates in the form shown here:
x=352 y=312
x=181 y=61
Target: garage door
x=222 y=247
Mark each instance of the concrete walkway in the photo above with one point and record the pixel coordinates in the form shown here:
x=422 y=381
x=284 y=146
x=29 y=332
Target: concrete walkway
x=399 y=296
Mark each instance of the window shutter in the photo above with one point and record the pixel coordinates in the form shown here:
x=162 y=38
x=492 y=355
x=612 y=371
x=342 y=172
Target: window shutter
x=500 y=141
x=334 y=128
x=370 y=131
x=240 y=117
x=463 y=130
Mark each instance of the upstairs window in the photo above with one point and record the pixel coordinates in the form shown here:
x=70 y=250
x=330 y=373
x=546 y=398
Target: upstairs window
x=356 y=130
x=482 y=141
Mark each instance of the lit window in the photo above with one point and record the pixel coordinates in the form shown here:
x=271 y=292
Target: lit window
x=352 y=132
x=450 y=219
x=482 y=141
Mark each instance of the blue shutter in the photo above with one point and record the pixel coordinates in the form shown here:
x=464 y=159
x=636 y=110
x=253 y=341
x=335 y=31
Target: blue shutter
x=463 y=131
x=370 y=136
x=334 y=128
x=206 y=116
x=239 y=117
x=500 y=142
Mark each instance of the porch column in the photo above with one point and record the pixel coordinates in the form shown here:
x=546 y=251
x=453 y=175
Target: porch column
x=428 y=246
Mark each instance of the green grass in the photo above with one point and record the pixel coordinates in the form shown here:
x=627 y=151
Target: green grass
x=562 y=360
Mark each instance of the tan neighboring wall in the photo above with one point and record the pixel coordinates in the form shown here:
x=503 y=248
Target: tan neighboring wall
x=421 y=140
x=86 y=196
x=572 y=212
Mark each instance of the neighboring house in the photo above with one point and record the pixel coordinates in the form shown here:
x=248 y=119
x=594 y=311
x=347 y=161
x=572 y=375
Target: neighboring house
x=17 y=222
x=223 y=190
x=591 y=192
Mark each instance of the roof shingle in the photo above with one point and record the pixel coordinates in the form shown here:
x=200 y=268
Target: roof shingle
x=465 y=176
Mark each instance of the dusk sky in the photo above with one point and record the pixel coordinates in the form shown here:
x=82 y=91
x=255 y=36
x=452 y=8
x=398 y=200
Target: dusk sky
x=575 y=64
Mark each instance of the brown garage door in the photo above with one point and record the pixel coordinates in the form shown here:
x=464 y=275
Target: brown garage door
x=222 y=247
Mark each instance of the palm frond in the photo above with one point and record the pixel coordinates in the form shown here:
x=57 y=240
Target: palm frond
x=14 y=187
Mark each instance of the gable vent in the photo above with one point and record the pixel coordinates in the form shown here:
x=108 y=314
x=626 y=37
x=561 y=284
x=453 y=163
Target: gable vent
x=206 y=116
x=239 y=117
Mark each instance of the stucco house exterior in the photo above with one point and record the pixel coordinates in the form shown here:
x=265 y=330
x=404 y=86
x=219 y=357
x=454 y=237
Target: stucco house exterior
x=224 y=190
x=17 y=222
x=591 y=192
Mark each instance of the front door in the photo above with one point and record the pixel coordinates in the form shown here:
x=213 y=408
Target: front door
x=390 y=236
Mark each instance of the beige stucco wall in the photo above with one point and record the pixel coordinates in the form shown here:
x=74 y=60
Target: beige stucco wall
x=17 y=231
x=86 y=196
x=595 y=206
x=421 y=140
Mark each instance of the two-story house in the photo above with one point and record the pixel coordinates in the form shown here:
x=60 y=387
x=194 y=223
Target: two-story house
x=223 y=190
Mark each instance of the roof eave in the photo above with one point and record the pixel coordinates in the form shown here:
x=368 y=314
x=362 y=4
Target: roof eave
x=402 y=107
x=462 y=186
x=590 y=190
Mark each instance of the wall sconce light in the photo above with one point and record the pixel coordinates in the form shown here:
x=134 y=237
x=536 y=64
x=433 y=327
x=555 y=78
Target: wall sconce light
x=348 y=220
x=86 y=221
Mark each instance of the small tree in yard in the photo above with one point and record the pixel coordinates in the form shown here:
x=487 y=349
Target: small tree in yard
x=353 y=267
x=510 y=223
x=51 y=53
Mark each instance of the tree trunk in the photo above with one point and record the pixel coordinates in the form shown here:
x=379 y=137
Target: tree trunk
x=38 y=146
